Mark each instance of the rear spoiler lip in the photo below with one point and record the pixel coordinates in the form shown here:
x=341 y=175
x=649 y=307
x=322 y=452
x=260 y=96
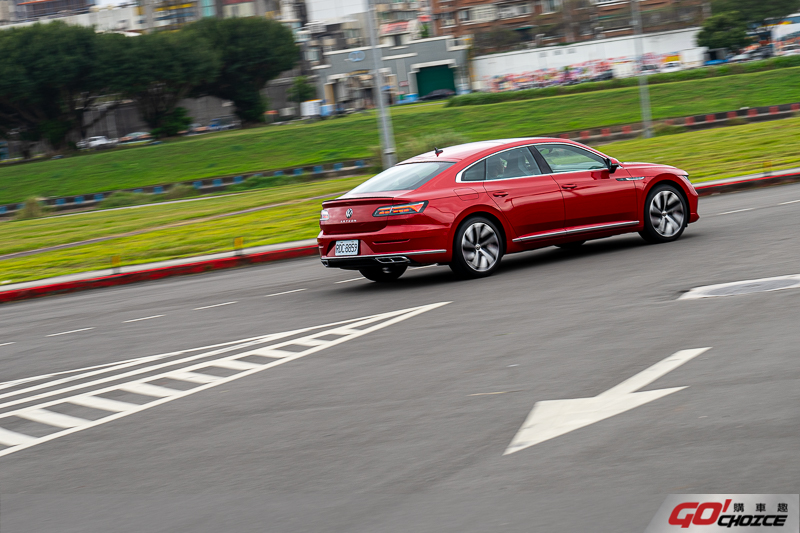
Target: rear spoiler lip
x=361 y=200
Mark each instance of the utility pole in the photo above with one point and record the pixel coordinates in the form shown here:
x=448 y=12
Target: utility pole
x=644 y=93
x=384 y=120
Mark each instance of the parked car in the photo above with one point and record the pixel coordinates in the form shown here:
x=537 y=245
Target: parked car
x=223 y=123
x=438 y=94
x=468 y=205
x=672 y=66
x=136 y=136
x=195 y=129
x=741 y=58
x=649 y=69
x=96 y=143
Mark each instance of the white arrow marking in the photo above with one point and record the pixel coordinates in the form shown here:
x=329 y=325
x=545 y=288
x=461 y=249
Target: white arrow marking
x=552 y=418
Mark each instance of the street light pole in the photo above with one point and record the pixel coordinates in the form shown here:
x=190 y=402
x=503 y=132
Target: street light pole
x=384 y=120
x=644 y=93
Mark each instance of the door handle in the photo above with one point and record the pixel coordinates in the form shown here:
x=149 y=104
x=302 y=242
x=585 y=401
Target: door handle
x=569 y=186
x=499 y=194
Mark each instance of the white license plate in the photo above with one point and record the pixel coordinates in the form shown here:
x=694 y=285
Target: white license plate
x=346 y=248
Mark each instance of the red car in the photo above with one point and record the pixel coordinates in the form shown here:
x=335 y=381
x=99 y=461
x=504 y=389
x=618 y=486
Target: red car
x=468 y=205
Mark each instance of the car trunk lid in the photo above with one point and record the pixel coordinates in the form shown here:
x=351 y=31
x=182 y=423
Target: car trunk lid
x=354 y=215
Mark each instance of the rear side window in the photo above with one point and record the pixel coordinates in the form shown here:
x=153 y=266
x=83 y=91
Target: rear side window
x=514 y=163
x=476 y=172
x=403 y=177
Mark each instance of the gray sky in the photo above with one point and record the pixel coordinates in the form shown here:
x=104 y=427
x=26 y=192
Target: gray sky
x=328 y=9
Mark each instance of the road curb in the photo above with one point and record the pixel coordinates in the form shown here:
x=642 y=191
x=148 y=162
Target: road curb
x=198 y=267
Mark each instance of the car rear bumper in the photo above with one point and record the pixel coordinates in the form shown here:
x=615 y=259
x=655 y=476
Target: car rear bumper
x=411 y=245
x=355 y=262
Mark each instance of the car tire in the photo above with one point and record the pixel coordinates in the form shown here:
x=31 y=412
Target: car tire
x=477 y=248
x=383 y=273
x=574 y=245
x=666 y=214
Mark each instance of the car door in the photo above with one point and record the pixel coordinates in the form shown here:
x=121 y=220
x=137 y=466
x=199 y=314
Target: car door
x=593 y=196
x=530 y=199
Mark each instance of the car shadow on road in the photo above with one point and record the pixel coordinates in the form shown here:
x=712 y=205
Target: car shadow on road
x=510 y=263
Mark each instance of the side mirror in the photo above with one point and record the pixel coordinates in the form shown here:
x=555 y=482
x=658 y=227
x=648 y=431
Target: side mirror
x=611 y=164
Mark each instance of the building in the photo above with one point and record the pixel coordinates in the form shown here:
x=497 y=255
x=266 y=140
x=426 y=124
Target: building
x=35 y=9
x=8 y=11
x=418 y=67
x=508 y=24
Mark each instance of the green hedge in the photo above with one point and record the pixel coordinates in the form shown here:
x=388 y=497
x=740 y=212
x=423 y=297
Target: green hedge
x=654 y=79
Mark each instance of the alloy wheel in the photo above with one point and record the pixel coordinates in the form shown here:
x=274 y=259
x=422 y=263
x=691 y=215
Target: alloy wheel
x=480 y=247
x=666 y=213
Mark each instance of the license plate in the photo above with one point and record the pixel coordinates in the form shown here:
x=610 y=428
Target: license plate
x=346 y=248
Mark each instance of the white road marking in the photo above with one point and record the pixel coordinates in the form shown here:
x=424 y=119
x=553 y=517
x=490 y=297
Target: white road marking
x=285 y=292
x=107 y=367
x=50 y=418
x=421 y=267
x=345 y=331
x=792 y=202
x=210 y=306
x=736 y=211
x=553 y=418
x=103 y=404
x=68 y=332
x=716 y=291
x=349 y=280
x=219 y=349
x=6 y=343
x=139 y=319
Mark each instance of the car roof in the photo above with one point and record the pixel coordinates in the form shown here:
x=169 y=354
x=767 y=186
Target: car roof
x=463 y=151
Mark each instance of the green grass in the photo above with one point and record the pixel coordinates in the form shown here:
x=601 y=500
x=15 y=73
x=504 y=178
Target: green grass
x=715 y=153
x=354 y=136
x=17 y=236
x=281 y=224
x=721 y=152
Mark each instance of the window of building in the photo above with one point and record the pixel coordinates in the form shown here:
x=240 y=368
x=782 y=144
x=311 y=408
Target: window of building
x=464 y=15
x=550 y=6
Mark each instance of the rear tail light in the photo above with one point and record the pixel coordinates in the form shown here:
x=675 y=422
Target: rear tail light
x=324 y=215
x=405 y=209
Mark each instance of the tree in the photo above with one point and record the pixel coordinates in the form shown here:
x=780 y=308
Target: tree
x=301 y=90
x=161 y=69
x=755 y=12
x=51 y=75
x=725 y=30
x=253 y=51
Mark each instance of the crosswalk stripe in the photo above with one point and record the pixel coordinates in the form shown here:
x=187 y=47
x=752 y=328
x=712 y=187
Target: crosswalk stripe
x=12 y=438
x=269 y=352
x=149 y=390
x=43 y=416
x=192 y=377
x=233 y=364
x=104 y=404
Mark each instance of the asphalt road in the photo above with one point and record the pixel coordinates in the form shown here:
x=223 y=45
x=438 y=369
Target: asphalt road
x=401 y=424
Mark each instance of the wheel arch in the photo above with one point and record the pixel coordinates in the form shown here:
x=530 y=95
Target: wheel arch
x=482 y=211
x=665 y=179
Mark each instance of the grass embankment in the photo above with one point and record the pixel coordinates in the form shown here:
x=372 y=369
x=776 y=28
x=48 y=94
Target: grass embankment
x=354 y=136
x=18 y=236
x=704 y=154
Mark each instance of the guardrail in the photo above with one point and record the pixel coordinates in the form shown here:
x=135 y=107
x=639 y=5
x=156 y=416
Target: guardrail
x=219 y=183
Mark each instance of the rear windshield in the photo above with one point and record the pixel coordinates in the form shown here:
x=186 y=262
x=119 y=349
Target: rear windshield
x=403 y=177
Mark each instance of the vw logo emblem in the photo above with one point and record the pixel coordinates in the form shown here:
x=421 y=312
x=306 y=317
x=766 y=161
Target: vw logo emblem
x=349 y=213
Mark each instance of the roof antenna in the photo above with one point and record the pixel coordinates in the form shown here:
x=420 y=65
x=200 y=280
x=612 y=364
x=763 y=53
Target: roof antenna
x=437 y=151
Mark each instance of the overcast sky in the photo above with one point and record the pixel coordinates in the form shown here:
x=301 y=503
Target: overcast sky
x=329 y=9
